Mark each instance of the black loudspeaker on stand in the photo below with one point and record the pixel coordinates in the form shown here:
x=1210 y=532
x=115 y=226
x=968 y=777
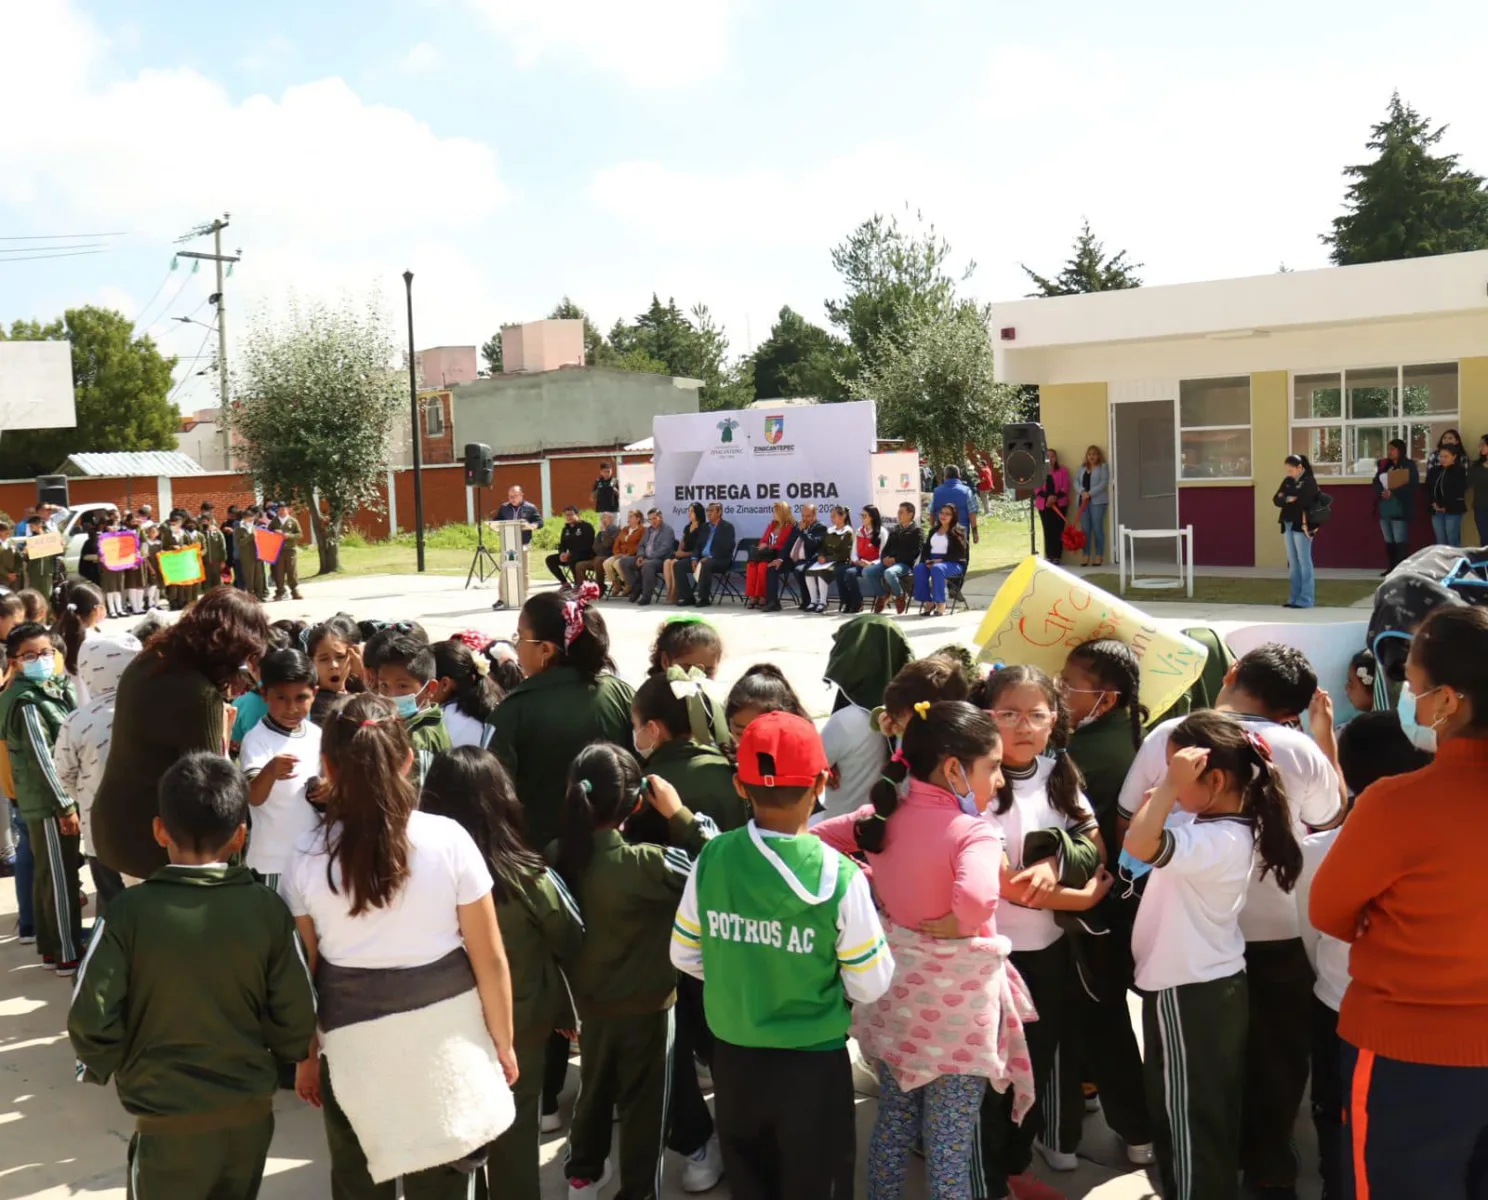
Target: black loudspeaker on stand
x=52 y=489
x=1025 y=458
x=484 y=565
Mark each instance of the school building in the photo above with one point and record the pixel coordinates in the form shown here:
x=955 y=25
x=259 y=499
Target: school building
x=1197 y=393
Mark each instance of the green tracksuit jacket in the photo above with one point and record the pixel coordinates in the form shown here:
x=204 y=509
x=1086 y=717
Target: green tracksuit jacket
x=427 y=732
x=193 y=987
x=543 y=933
x=30 y=715
x=704 y=779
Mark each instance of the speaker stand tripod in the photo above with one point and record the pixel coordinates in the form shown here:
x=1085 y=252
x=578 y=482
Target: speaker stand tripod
x=484 y=565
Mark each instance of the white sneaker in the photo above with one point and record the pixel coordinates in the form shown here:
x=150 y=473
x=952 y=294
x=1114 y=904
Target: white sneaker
x=589 y=1190
x=550 y=1122
x=703 y=1170
x=1058 y=1160
x=1141 y=1155
x=27 y=939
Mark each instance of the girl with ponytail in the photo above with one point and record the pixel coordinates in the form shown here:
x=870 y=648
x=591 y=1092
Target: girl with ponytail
x=1053 y=857
x=395 y=909
x=936 y=867
x=678 y=727
x=624 y=984
x=1189 y=948
x=464 y=691
x=82 y=612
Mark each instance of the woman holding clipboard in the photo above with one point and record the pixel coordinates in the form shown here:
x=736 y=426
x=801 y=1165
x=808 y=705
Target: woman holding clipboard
x=1396 y=478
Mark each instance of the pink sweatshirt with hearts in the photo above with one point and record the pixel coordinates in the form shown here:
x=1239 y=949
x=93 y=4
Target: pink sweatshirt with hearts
x=935 y=860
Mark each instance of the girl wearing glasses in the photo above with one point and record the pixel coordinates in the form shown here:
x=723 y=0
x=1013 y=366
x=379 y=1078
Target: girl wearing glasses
x=1039 y=806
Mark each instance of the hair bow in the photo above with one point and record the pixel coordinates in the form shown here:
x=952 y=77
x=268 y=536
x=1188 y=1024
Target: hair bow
x=923 y=709
x=474 y=639
x=1365 y=676
x=573 y=612
x=481 y=663
x=704 y=715
x=1259 y=745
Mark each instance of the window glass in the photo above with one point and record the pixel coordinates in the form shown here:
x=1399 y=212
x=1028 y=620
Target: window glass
x=1372 y=394
x=1323 y=445
x=1316 y=397
x=1206 y=403
x=1216 y=453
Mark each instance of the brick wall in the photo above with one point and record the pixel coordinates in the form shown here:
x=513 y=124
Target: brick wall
x=223 y=490
x=439 y=448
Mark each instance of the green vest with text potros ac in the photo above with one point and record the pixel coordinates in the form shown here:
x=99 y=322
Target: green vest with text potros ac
x=768 y=908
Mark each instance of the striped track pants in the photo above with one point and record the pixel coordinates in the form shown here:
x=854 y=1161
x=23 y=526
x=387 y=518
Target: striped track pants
x=55 y=890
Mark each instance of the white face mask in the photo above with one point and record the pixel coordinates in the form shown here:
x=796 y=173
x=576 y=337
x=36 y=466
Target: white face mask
x=644 y=751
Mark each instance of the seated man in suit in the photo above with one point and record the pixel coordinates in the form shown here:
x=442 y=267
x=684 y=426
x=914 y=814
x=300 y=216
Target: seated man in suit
x=658 y=545
x=604 y=546
x=803 y=551
x=575 y=545
x=716 y=558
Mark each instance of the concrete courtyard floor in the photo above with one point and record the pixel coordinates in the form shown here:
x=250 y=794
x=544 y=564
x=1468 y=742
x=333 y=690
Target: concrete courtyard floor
x=59 y=1138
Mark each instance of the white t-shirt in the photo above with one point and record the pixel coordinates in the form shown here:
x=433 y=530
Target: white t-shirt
x=940 y=545
x=281 y=820
x=1188 y=928
x=420 y=925
x=1032 y=928
x=1270 y=915
x=463 y=730
x=1330 y=957
x=858 y=752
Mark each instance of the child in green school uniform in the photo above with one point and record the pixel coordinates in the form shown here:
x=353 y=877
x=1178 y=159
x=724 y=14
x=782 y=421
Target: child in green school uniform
x=193 y=1051
x=405 y=675
x=783 y=932
x=624 y=983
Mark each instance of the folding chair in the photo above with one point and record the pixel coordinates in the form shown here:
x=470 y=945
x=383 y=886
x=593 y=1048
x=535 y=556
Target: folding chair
x=730 y=583
x=954 y=596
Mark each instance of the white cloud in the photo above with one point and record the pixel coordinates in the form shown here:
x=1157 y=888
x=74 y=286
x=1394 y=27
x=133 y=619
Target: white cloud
x=650 y=44
x=266 y=54
x=422 y=57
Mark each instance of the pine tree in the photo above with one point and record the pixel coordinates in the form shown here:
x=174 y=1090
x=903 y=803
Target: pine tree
x=1408 y=202
x=1088 y=270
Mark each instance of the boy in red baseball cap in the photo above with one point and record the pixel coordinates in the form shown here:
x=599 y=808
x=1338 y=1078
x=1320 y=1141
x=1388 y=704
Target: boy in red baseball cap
x=782 y=931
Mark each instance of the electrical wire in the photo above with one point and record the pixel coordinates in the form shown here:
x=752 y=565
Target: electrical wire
x=41 y=257
x=176 y=295
x=165 y=279
x=51 y=249
x=194 y=358
x=54 y=237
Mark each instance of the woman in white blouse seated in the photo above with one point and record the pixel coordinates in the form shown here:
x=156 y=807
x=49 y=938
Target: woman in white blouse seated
x=944 y=557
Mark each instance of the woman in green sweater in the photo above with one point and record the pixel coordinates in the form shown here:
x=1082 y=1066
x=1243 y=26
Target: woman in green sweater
x=172 y=699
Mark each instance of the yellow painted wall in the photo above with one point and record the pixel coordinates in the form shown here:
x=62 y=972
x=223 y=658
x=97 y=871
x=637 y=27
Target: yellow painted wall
x=1269 y=445
x=1472 y=382
x=1074 y=416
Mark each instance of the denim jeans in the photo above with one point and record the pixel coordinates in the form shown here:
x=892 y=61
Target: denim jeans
x=879 y=577
x=1094 y=524
x=868 y=586
x=1299 y=566
x=1396 y=530
x=25 y=873
x=930 y=581
x=1448 y=528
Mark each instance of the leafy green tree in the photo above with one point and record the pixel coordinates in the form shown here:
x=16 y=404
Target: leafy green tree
x=1408 y=202
x=934 y=387
x=491 y=353
x=893 y=277
x=1089 y=269
x=691 y=346
x=801 y=359
x=314 y=400
x=121 y=390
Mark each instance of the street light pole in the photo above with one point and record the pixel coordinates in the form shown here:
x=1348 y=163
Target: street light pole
x=418 y=464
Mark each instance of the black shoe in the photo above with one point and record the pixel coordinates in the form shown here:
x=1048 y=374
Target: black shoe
x=499 y=606
x=705 y=603
x=1289 y=604
x=686 y=604
x=643 y=603
x=771 y=608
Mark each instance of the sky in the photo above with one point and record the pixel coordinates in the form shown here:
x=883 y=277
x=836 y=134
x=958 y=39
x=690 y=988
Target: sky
x=510 y=152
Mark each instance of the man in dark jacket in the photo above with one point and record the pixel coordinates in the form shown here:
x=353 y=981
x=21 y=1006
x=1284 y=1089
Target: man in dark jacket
x=896 y=565
x=606 y=490
x=575 y=545
x=716 y=558
x=804 y=549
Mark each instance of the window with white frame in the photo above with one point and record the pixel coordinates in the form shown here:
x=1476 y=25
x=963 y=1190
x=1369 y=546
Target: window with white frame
x=1344 y=420
x=433 y=417
x=1214 y=428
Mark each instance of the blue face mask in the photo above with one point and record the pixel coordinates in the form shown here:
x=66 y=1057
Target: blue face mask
x=1129 y=869
x=408 y=706
x=967 y=799
x=1422 y=737
x=40 y=670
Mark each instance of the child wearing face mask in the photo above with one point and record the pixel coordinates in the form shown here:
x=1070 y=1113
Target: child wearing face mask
x=32 y=709
x=405 y=675
x=936 y=867
x=1189 y=947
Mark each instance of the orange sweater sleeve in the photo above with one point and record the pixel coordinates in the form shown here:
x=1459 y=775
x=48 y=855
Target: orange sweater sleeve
x=1365 y=860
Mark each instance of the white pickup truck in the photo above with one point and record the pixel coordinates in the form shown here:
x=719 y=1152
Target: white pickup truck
x=70 y=522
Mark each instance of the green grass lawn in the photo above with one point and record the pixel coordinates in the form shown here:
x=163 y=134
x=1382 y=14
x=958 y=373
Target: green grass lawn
x=1217 y=589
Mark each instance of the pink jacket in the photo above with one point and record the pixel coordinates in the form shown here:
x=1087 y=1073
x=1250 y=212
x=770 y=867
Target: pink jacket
x=935 y=860
x=1059 y=497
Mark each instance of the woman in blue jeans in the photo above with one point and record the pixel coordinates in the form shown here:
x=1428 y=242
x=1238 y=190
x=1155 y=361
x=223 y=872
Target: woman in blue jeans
x=1446 y=496
x=1298 y=493
x=1094 y=483
x=1396 y=504
x=944 y=557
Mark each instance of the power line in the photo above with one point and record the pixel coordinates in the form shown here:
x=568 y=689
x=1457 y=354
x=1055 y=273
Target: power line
x=165 y=279
x=194 y=357
x=40 y=257
x=55 y=237
x=176 y=295
x=51 y=249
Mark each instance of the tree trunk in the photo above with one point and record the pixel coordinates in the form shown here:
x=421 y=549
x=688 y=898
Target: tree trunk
x=327 y=539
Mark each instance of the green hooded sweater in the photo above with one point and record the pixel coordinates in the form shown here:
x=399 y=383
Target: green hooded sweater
x=867 y=653
x=31 y=713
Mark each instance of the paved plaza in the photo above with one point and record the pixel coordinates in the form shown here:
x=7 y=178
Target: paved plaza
x=59 y=1138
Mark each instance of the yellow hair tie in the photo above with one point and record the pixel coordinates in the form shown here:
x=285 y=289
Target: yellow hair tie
x=923 y=708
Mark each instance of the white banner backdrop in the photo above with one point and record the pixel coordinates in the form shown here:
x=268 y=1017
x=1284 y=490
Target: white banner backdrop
x=746 y=460
x=896 y=481
x=637 y=485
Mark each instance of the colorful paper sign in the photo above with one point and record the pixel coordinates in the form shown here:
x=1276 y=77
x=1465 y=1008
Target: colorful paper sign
x=267 y=544
x=119 y=550
x=44 y=545
x=1041 y=613
x=182 y=568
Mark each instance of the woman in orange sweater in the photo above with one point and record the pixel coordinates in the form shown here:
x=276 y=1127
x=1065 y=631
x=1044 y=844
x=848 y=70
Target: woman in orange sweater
x=1402 y=885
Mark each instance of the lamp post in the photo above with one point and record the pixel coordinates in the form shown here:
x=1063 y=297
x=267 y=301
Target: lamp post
x=418 y=464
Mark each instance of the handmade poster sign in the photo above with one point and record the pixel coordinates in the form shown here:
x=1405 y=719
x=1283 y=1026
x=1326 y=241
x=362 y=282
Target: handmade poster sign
x=119 y=550
x=1041 y=613
x=182 y=568
x=267 y=543
x=44 y=545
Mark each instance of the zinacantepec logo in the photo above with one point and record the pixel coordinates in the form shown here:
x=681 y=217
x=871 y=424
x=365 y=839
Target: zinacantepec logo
x=774 y=438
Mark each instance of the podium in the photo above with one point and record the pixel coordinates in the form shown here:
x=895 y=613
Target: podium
x=513 y=559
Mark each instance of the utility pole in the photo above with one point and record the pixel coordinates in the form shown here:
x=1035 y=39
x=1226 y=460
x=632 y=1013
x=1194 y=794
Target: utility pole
x=413 y=405
x=215 y=228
